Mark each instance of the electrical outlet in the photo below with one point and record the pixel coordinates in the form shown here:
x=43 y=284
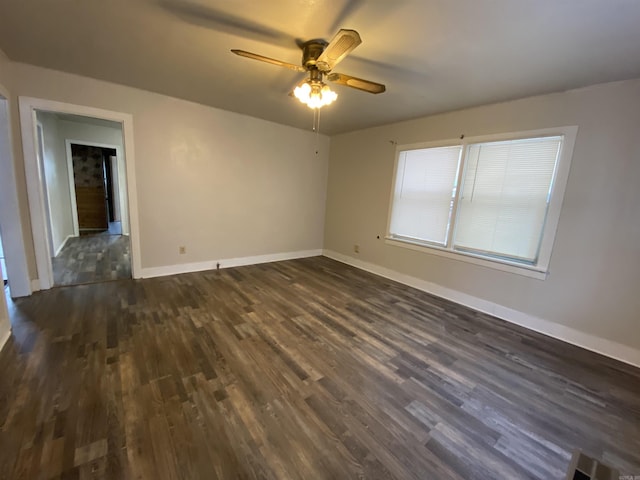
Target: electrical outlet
x=356 y=248
x=182 y=249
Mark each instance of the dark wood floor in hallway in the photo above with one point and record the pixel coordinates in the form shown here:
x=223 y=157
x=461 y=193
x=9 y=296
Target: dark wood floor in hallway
x=304 y=369
x=92 y=258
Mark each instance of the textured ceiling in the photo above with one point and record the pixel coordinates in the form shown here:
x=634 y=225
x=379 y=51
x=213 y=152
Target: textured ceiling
x=433 y=55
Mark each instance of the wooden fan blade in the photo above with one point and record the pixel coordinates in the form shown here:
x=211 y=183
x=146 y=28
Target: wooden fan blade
x=342 y=44
x=355 y=82
x=272 y=61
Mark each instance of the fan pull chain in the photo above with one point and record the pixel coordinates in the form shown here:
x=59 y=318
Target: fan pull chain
x=316 y=127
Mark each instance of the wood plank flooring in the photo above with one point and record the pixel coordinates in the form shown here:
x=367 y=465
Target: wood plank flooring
x=305 y=369
x=91 y=259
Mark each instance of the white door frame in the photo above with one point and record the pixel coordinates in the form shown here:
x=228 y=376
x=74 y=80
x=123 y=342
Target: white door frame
x=10 y=220
x=28 y=107
x=72 y=188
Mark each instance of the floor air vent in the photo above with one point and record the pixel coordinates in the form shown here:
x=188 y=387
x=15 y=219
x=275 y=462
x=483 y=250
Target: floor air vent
x=583 y=467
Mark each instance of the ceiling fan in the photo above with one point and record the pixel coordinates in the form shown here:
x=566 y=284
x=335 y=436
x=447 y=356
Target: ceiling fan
x=318 y=60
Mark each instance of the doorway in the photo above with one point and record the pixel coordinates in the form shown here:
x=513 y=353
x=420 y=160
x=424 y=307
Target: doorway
x=93 y=188
x=40 y=224
x=87 y=241
x=100 y=250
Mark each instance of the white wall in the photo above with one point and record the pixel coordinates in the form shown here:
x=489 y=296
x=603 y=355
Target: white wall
x=57 y=175
x=89 y=132
x=593 y=288
x=231 y=186
x=14 y=208
x=222 y=184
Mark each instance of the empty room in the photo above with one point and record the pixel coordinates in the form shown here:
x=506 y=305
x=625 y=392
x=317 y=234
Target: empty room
x=320 y=240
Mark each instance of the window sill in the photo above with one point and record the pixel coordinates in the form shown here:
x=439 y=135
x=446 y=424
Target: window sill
x=505 y=266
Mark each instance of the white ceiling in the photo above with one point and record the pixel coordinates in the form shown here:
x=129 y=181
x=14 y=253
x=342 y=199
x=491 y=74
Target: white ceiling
x=433 y=55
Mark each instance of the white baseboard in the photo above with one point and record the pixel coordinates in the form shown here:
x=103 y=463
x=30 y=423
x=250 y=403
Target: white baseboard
x=64 y=242
x=150 y=272
x=35 y=285
x=609 y=348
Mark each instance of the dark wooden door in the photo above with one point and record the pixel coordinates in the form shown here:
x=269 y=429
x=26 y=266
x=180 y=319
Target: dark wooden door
x=92 y=208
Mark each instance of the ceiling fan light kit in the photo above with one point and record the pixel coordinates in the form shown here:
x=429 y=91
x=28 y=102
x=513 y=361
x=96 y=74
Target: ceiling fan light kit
x=318 y=60
x=315 y=95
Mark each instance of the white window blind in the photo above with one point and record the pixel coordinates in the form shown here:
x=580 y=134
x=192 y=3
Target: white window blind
x=423 y=195
x=493 y=200
x=504 y=197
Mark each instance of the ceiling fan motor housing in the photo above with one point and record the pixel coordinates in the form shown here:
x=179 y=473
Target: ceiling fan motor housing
x=311 y=50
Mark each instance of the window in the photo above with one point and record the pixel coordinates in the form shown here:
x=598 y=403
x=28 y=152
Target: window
x=424 y=191
x=493 y=200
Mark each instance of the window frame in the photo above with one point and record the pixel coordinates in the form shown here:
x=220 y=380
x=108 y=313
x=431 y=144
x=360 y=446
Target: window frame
x=541 y=269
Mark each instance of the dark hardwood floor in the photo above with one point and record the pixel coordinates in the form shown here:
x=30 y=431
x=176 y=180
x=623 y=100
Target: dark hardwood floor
x=305 y=369
x=93 y=258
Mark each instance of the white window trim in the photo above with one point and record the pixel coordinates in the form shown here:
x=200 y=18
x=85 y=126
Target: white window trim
x=539 y=271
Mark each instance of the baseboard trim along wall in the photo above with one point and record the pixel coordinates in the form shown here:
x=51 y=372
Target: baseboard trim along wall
x=151 y=272
x=603 y=346
x=64 y=242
